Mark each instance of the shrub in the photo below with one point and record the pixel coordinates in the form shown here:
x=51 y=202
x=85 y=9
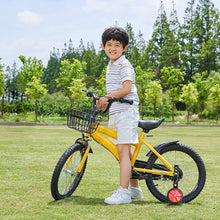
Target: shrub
x=54 y=104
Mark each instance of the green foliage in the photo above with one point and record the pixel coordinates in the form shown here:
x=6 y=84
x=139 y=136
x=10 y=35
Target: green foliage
x=19 y=107
x=70 y=70
x=51 y=72
x=207 y=35
x=214 y=98
x=187 y=43
x=142 y=80
x=101 y=83
x=54 y=104
x=2 y=90
x=154 y=95
x=35 y=89
x=189 y=96
x=31 y=67
x=29 y=79
x=75 y=91
x=202 y=85
x=172 y=80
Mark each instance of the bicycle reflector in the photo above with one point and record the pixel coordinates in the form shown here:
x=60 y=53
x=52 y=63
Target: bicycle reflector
x=175 y=196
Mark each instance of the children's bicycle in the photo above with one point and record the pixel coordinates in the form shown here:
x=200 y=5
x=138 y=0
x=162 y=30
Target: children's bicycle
x=172 y=171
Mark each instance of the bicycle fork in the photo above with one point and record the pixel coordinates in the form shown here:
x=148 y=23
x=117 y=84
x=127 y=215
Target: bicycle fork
x=85 y=142
x=83 y=160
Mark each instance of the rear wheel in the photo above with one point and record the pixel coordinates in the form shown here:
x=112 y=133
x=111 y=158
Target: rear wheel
x=191 y=177
x=65 y=179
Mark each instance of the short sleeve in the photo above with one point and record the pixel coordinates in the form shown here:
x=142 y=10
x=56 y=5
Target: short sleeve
x=126 y=72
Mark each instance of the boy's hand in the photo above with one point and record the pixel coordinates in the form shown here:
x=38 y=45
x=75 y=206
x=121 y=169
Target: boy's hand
x=102 y=103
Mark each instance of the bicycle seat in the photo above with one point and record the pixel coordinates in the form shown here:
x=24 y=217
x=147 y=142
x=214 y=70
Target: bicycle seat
x=148 y=125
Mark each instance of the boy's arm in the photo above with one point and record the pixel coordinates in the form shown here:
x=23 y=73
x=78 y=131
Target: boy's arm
x=125 y=90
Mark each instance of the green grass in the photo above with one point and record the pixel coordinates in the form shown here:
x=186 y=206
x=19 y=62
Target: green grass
x=28 y=156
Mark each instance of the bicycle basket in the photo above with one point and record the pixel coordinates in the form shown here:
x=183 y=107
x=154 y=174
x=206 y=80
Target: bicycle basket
x=83 y=120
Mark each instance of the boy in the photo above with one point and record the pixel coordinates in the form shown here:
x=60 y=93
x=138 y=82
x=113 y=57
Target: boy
x=123 y=117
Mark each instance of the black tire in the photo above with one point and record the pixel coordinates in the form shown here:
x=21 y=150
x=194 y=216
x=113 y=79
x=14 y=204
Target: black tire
x=64 y=180
x=191 y=178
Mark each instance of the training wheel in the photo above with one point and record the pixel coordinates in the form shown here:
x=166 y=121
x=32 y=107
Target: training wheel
x=175 y=196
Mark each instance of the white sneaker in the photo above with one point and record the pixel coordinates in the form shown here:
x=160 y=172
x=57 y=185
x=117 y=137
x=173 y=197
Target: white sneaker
x=119 y=196
x=136 y=193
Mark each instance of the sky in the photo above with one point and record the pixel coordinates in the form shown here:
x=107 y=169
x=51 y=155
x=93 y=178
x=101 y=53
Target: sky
x=33 y=27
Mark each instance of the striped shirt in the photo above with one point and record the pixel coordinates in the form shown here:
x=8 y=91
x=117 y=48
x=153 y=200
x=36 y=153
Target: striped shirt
x=118 y=72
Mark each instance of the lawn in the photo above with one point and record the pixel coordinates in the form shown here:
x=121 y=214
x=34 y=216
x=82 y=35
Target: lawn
x=28 y=155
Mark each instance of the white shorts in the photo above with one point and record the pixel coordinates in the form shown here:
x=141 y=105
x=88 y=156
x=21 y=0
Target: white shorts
x=125 y=123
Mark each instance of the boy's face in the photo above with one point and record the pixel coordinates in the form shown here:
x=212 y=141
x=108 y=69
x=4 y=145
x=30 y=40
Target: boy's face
x=114 y=49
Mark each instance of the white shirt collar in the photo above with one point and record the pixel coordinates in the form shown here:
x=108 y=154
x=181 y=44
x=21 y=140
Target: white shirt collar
x=118 y=61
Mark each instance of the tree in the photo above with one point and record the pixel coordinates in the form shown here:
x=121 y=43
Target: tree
x=35 y=90
x=172 y=79
x=2 y=88
x=214 y=98
x=70 y=70
x=174 y=22
x=214 y=77
x=2 y=91
x=101 y=83
x=142 y=80
x=169 y=52
x=152 y=53
x=76 y=93
x=187 y=42
x=207 y=37
x=203 y=86
x=92 y=68
x=154 y=95
x=132 y=52
x=170 y=48
x=51 y=72
x=31 y=67
x=13 y=88
x=189 y=96
x=1 y=80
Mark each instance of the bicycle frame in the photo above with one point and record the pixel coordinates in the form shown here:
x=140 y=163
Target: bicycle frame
x=100 y=137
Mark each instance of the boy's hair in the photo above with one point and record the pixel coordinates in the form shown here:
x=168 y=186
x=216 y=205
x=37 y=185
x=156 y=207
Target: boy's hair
x=115 y=33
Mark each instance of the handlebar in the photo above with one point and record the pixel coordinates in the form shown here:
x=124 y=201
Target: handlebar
x=95 y=98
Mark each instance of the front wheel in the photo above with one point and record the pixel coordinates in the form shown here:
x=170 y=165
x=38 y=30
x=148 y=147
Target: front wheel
x=65 y=179
x=192 y=173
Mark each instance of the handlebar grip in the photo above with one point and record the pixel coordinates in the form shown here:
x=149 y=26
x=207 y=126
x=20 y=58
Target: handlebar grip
x=92 y=94
x=122 y=100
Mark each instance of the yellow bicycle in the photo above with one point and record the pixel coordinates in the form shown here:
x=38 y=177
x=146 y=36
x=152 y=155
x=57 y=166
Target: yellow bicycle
x=172 y=171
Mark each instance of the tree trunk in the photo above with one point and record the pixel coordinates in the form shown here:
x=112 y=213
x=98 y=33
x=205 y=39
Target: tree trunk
x=3 y=104
x=36 y=110
x=142 y=111
x=173 y=108
x=154 y=112
x=187 y=117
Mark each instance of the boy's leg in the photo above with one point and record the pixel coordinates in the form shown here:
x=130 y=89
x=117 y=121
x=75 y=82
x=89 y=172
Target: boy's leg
x=133 y=182
x=122 y=194
x=125 y=164
x=125 y=153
